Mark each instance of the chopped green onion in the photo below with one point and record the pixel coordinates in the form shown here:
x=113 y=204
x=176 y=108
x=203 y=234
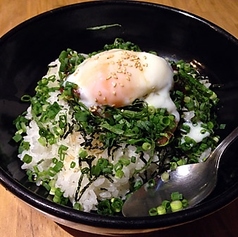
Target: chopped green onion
x=83 y=154
x=133 y=159
x=176 y=205
x=26 y=98
x=124 y=161
x=118 y=166
x=103 y=27
x=116 y=204
x=161 y=210
x=62 y=151
x=27 y=159
x=24 y=146
x=77 y=206
x=176 y=196
x=146 y=146
x=137 y=185
x=119 y=174
x=165 y=176
x=72 y=164
x=185 y=203
x=151 y=183
x=153 y=211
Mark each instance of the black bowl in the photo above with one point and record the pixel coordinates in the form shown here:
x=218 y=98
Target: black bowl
x=28 y=48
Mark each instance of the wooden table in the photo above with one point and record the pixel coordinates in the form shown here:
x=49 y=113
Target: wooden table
x=19 y=220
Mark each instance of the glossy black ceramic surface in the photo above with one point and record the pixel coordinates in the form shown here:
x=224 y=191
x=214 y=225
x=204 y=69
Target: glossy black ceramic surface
x=27 y=49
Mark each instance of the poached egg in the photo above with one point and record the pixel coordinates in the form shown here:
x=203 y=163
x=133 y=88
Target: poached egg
x=117 y=77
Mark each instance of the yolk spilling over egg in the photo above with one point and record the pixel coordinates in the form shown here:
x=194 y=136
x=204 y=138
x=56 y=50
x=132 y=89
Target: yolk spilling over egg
x=117 y=77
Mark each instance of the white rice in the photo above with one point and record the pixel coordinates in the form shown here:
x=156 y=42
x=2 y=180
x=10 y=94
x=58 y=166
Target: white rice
x=71 y=180
x=67 y=179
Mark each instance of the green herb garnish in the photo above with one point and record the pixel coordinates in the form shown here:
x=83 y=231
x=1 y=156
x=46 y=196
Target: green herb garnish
x=176 y=203
x=153 y=132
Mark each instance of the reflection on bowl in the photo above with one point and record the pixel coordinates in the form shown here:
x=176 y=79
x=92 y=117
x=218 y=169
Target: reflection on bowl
x=29 y=47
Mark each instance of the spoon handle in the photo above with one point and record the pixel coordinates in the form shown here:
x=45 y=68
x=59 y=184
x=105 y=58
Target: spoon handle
x=217 y=153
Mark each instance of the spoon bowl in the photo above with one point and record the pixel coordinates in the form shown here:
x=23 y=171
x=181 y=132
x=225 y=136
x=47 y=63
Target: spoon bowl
x=194 y=181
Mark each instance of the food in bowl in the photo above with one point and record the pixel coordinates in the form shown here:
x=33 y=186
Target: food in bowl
x=102 y=124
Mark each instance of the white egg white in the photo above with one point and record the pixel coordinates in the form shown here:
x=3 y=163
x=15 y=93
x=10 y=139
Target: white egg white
x=195 y=132
x=117 y=77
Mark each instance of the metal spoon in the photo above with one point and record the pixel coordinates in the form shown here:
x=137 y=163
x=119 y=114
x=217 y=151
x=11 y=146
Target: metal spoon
x=194 y=181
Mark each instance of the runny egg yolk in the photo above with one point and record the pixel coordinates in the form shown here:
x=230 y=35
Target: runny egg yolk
x=117 y=77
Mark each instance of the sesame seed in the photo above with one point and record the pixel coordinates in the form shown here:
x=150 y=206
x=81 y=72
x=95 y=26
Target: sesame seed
x=99 y=93
x=93 y=108
x=114 y=75
x=119 y=62
x=110 y=56
x=114 y=92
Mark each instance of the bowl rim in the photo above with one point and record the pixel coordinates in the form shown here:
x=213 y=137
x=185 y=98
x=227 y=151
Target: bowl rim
x=115 y=222
x=75 y=216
